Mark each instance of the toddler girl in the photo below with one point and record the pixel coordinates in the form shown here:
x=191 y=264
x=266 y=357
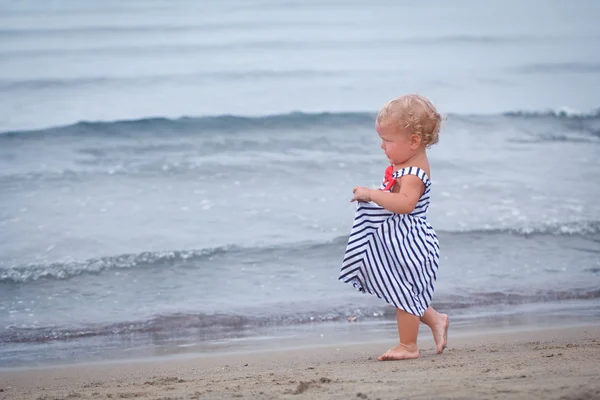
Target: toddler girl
x=393 y=252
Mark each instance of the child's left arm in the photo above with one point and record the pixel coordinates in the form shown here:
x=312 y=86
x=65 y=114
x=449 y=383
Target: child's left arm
x=403 y=202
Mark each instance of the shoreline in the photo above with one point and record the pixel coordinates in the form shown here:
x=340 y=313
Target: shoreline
x=519 y=362
x=148 y=347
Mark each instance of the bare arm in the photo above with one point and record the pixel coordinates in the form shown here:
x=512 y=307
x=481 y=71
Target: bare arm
x=403 y=202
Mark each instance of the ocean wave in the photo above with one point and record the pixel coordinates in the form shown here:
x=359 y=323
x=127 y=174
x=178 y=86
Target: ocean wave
x=65 y=270
x=70 y=269
x=555 y=137
x=222 y=123
x=224 y=326
x=559 y=113
x=292 y=120
x=559 y=125
x=572 y=228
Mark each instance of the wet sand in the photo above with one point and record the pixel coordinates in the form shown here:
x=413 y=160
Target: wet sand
x=557 y=363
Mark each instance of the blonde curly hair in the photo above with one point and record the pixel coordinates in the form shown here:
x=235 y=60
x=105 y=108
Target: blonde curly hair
x=412 y=113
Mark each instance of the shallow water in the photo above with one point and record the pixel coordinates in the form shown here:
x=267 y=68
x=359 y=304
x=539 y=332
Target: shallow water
x=122 y=221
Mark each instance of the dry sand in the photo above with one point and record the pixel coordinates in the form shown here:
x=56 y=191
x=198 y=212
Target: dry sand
x=559 y=363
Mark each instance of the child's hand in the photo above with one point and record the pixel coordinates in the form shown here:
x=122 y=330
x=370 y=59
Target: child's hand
x=361 y=194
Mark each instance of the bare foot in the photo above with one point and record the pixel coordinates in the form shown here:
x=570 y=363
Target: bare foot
x=440 y=332
x=400 y=352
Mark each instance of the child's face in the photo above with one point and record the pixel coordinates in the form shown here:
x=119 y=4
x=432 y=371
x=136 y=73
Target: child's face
x=399 y=146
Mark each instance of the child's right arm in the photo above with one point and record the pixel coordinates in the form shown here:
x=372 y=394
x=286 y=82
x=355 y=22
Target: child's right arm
x=403 y=202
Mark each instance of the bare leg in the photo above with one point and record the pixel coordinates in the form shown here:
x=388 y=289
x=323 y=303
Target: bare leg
x=408 y=329
x=438 y=323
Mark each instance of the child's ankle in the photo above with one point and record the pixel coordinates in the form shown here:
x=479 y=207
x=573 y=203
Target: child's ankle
x=412 y=347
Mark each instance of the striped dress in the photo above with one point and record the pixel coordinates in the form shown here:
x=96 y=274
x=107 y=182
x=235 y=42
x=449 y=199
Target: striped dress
x=394 y=256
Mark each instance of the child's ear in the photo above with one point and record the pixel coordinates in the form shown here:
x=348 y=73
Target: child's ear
x=415 y=141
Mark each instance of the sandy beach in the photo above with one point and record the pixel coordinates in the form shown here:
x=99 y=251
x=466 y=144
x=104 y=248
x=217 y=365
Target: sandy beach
x=558 y=363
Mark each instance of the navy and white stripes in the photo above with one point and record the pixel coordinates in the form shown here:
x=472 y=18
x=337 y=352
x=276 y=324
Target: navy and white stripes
x=394 y=256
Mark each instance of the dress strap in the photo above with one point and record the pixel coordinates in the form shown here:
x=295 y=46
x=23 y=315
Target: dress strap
x=388 y=180
x=418 y=172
